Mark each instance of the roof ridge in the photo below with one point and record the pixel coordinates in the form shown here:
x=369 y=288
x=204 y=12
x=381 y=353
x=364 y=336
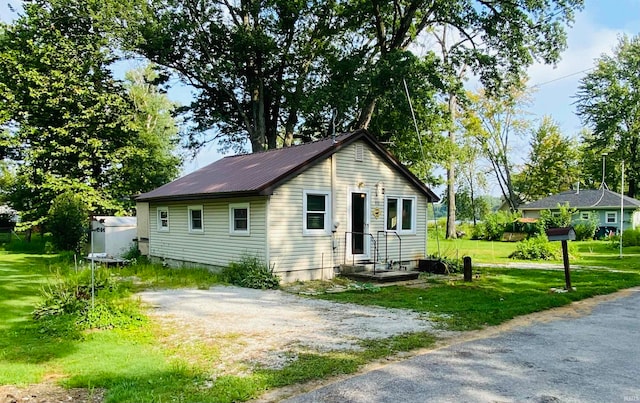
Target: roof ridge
x=343 y=134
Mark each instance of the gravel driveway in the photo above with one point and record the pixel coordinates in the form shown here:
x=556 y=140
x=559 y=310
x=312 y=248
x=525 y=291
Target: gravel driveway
x=269 y=327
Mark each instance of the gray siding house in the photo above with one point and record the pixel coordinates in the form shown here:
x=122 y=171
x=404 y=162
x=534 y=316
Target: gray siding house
x=304 y=210
x=602 y=205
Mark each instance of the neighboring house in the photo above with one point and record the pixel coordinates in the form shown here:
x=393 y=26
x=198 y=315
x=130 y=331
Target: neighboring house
x=304 y=210
x=602 y=205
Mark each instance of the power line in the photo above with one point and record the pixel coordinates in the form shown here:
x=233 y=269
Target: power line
x=561 y=78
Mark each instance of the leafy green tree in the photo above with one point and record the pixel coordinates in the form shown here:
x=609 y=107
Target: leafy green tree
x=151 y=159
x=265 y=72
x=70 y=125
x=470 y=208
x=493 y=122
x=68 y=221
x=591 y=161
x=472 y=178
x=66 y=111
x=553 y=163
x=608 y=102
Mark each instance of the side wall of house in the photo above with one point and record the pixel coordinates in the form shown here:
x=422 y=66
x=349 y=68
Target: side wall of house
x=214 y=245
x=294 y=254
x=635 y=220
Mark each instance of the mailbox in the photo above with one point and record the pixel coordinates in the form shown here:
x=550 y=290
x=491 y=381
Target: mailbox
x=561 y=234
x=564 y=235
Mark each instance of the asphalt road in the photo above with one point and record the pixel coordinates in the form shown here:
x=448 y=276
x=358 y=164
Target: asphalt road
x=593 y=358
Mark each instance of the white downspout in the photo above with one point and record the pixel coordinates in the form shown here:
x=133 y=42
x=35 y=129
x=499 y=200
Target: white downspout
x=267 y=248
x=334 y=223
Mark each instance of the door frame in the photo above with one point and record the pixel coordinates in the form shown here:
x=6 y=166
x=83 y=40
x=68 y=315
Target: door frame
x=367 y=221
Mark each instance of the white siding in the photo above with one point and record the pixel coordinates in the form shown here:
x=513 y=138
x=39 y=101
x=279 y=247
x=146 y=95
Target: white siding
x=296 y=256
x=299 y=257
x=373 y=174
x=214 y=246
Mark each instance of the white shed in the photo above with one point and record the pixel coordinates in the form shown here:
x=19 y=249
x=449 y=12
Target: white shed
x=113 y=236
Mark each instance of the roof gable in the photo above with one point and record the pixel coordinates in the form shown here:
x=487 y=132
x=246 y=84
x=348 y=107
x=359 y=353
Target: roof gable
x=259 y=173
x=583 y=199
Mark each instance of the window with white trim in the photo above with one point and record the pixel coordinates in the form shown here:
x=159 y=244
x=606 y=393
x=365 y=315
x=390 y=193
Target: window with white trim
x=585 y=215
x=611 y=217
x=400 y=214
x=195 y=218
x=163 y=218
x=316 y=211
x=239 y=219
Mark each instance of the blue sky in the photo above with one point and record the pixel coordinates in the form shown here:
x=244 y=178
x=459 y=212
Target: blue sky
x=595 y=32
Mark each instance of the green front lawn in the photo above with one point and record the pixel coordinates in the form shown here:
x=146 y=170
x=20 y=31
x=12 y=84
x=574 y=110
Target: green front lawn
x=498 y=295
x=583 y=253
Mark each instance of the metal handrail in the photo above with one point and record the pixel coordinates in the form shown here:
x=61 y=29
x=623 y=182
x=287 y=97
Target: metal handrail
x=386 y=245
x=375 y=248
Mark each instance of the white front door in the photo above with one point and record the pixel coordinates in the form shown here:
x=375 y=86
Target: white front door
x=358 y=237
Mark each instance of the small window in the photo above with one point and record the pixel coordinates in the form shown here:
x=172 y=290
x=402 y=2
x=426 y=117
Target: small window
x=195 y=219
x=163 y=219
x=316 y=206
x=401 y=214
x=392 y=214
x=359 y=153
x=407 y=214
x=612 y=217
x=585 y=215
x=239 y=219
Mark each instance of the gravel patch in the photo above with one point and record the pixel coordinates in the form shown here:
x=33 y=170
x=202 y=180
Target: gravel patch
x=269 y=327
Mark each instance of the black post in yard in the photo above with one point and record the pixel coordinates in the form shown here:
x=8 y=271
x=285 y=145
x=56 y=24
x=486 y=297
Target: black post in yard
x=467 y=268
x=565 y=259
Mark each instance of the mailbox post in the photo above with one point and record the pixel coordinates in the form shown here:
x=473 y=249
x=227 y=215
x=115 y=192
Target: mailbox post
x=563 y=235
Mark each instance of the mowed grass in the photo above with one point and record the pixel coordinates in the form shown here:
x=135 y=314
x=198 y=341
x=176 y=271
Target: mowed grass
x=583 y=253
x=500 y=294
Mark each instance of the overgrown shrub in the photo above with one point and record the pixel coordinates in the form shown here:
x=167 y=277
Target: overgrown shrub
x=250 y=272
x=132 y=253
x=585 y=229
x=535 y=248
x=631 y=237
x=67 y=304
x=68 y=221
x=437 y=229
x=558 y=219
x=493 y=226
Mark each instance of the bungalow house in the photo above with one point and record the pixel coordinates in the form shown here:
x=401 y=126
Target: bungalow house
x=304 y=210
x=602 y=205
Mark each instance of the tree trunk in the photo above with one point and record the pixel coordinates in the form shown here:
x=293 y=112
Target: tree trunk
x=473 y=201
x=366 y=114
x=451 y=176
x=289 y=127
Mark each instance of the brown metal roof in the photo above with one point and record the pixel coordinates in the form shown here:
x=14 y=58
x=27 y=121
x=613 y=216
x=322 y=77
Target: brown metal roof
x=259 y=173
